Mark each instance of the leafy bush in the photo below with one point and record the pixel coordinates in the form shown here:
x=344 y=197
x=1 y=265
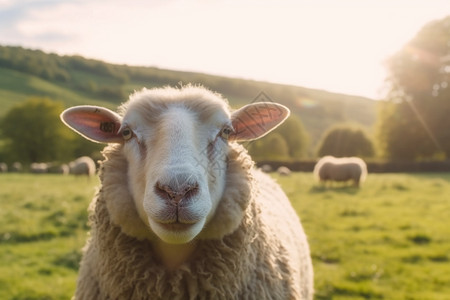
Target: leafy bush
x=346 y=140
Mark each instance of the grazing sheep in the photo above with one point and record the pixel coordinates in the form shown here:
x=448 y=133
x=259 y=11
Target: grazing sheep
x=82 y=166
x=181 y=212
x=3 y=168
x=330 y=168
x=38 y=168
x=284 y=171
x=56 y=168
x=266 y=168
x=16 y=167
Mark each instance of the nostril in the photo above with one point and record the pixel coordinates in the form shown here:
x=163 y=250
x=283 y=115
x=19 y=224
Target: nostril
x=176 y=194
x=190 y=191
x=162 y=191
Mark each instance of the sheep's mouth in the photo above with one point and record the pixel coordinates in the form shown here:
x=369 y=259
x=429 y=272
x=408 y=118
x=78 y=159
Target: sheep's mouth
x=175 y=230
x=176 y=226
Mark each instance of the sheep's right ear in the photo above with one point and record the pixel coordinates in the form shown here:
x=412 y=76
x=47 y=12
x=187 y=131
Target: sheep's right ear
x=95 y=123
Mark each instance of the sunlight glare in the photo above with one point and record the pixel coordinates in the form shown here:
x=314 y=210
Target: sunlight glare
x=321 y=44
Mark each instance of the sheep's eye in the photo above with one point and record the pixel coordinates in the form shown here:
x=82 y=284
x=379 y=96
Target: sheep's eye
x=127 y=134
x=225 y=133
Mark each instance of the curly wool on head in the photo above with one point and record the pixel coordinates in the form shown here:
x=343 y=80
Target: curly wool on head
x=250 y=244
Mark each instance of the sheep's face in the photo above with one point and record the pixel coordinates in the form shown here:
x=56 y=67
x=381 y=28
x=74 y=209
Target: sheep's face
x=177 y=165
x=176 y=145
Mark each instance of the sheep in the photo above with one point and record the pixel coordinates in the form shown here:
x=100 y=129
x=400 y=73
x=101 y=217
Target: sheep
x=56 y=168
x=82 y=166
x=181 y=212
x=38 y=168
x=3 y=167
x=16 y=167
x=266 y=168
x=284 y=171
x=330 y=168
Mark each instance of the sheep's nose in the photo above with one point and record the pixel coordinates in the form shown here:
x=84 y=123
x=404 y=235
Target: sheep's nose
x=176 y=193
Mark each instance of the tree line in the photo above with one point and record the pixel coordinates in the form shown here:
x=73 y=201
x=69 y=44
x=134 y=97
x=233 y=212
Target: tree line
x=32 y=132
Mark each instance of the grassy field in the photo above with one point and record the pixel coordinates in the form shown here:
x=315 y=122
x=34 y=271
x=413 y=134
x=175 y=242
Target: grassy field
x=388 y=240
x=42 y=229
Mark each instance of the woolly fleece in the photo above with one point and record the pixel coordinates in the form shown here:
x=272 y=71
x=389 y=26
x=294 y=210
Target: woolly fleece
x=253 y=248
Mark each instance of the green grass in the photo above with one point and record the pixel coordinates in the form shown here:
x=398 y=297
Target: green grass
x=388 y=240
x=42 y=230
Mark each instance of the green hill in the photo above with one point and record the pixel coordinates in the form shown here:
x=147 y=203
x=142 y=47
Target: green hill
x=75 y=80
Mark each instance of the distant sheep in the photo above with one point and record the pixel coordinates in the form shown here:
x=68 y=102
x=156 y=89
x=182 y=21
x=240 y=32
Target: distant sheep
x=330 y=168
x=16 y=167
x=38 y=168
x=3 y=168
x=56 y=168
x=82 y=166
x=266 y=168
x=284 y=171
x=181 y=212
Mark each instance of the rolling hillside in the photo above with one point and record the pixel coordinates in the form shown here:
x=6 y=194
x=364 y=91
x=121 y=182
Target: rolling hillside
x=76 y=80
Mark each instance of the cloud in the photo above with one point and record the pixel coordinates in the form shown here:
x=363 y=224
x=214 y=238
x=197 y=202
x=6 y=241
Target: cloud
x=14 y=13
x=44 y=23
x=4 y=4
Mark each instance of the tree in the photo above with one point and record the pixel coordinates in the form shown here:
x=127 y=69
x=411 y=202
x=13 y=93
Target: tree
x=33 y=132
x=345 y=140
x=413 y=122
x=296 y=137
x=271 y=147
x=287 y=142
x=400 y=134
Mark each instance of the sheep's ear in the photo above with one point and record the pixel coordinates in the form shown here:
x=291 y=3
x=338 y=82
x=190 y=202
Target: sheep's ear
x=95 y=123
x=256 y=120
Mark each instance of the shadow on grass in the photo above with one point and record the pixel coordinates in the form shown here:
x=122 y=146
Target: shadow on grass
x=445 y=176
x=344 y=189
x=70 y=260
x=345 y=290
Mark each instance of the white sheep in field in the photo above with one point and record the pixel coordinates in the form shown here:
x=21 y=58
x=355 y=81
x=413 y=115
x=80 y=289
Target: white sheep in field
x=16 y=167
x=38 y=168
x=3 y=168
x=55 y=168
x=284 y=171
x=330 y=168
x=181 y=212
x=82 y=166
x=266 y=168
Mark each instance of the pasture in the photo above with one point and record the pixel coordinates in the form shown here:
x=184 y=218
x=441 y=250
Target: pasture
x=388 y=240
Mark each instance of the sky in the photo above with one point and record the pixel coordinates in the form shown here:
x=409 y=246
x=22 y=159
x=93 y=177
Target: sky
x=335 y=45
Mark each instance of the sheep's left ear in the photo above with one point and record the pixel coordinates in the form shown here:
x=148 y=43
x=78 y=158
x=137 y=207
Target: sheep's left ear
x=256 y=120
x=95 y=123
